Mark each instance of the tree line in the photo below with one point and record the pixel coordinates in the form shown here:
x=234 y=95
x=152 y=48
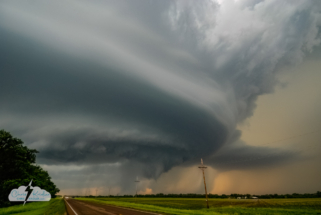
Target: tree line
x=18 y=167
x=223 y=196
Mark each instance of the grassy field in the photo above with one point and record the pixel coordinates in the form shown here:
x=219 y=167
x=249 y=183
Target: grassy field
x=53 y=207
x=187 y=206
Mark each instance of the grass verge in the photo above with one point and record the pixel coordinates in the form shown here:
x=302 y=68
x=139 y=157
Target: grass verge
x=53 y=207
x=296 y=207
x=151 y=208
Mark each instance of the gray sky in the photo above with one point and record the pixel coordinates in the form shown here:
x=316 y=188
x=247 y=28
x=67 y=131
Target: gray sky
x=108 y=91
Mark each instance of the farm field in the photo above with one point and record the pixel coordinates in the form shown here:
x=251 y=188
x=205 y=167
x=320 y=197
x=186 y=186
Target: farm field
x=53 y=207
x=188 y=206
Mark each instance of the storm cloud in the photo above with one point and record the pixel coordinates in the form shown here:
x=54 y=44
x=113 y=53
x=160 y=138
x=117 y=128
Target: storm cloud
x=142 y=84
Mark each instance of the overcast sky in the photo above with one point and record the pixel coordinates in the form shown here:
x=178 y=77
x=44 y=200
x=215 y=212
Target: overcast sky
x=111 y=90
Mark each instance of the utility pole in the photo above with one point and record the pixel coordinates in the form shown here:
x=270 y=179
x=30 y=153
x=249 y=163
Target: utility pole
x=108 y=188
x=202 y=167
x=136 y=185
x=97 y=189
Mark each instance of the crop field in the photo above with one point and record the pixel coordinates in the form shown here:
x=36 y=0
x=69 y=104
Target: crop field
x=53 y=207
x=188 y=206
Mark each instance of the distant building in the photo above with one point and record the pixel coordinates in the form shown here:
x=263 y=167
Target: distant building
x=254 y=197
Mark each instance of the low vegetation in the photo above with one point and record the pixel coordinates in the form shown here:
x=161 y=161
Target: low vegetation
x=53 y=207
x=197 y=206
x=223 y=196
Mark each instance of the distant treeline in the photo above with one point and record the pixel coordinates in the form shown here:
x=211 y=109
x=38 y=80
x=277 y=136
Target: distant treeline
x=279 y=196
x=223 y=196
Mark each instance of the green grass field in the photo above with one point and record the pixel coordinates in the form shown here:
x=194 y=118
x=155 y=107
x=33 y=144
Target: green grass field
x=53 y=207
x=188 y=206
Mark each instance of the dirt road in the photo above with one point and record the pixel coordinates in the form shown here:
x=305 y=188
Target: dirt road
x=77 y=207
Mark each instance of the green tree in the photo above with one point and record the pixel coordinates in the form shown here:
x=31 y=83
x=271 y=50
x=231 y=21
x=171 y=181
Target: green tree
x=17 y=168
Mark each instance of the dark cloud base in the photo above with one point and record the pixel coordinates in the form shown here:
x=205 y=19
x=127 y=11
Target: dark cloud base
x=68 y=94
x=37 y=82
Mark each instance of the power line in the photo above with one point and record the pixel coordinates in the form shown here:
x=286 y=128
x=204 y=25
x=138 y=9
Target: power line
x=265 y=156
x=303 y=148
x=276 y=141
x=292 y=137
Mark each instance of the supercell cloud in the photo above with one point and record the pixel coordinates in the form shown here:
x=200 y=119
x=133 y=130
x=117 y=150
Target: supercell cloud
x=145 y=85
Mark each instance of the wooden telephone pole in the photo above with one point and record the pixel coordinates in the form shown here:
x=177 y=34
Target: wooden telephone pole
x=202 y=167
x=86 y=191
x=136 y=185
